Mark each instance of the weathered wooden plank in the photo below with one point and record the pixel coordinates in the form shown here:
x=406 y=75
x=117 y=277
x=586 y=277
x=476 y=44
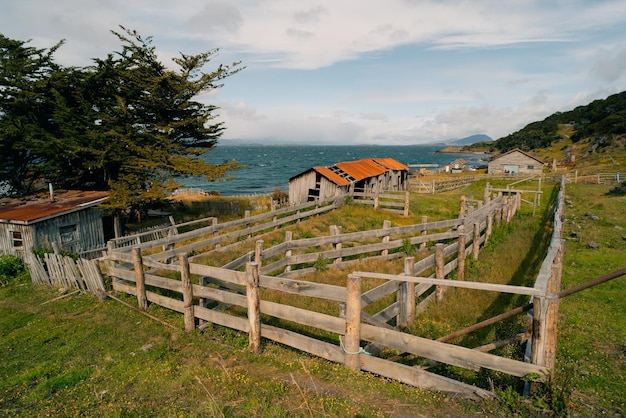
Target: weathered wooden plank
x=219 y=295
x=223 y=319
x=379 y=292
x=304 y=288
x=422 y=379
x=303 y=343
x=304 y=317
x=503 y=288
x=447 y=353
x=236 y=277
x=383 y=316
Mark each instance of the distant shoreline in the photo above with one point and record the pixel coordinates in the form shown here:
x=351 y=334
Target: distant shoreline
x=458 y=150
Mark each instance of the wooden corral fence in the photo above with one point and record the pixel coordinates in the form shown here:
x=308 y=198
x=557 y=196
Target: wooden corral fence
x=599 y=178
x=67 y=272
x=396 y=202
x=434 y=185
x=203 y=292
x=215 y=234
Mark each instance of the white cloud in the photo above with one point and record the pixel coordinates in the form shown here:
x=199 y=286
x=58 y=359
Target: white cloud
x=351 y=70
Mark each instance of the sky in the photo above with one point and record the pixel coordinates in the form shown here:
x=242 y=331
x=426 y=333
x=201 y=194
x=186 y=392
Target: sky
x=340 y=72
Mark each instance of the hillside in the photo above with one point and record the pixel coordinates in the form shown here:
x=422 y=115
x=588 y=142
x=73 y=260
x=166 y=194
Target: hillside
x=595 y=128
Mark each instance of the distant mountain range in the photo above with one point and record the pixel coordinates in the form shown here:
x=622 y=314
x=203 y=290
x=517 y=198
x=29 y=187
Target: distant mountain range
x=469 y=140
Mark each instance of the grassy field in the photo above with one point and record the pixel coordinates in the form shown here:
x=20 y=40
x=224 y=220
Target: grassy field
x=79 y=356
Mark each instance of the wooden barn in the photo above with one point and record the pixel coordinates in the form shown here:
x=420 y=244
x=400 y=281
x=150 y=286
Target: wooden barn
x=70 y=220
x=515 y=162
x=456 y=166
x=370 y=175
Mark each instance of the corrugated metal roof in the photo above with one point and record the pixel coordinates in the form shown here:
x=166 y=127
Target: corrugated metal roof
x=344 y=173
x=361 y=169
x=39 y=206
x=332 y=176
x=391 y=164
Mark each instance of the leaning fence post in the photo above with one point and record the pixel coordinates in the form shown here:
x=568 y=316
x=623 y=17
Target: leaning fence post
x=254 y=309
x=288 y=237
x=489 y=227
x=351 y=345
x=461 y=252
x=386 y=225
x=476 y=241
x=439 y=271
x=406 y=296
x=140 y=280
x=185 y=278
x=424 y=232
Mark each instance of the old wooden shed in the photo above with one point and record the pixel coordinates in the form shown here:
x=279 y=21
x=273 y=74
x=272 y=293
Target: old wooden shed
x=515 y=162
x=70 y=220
x=370 y=175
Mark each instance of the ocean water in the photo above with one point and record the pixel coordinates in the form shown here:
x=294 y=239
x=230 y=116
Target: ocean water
x=269 y=167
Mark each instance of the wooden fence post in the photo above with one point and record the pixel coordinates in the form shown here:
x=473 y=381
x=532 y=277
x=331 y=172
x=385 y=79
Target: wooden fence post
x=476 y=241
x=406 y=297
x=489 y=227
x=288 y=237
x=462 y=208
x=258 y=252
x=246 y=215
x=552 y=316
x=407 y=200
x=334 y=230
x=424 y=232
x=439 y=271
x=351 y=345
x=254 y=308
x=140 y=280
x=386 y=225
x=214 y=225
x=185 y=278
x=461 y=253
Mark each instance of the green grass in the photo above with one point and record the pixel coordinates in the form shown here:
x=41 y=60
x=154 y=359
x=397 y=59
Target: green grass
x=82 y=357
x=591 y=356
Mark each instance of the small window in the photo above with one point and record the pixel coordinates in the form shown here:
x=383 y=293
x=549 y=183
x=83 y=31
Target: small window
x=531 y=167
x=68 y=233
x=18 y=241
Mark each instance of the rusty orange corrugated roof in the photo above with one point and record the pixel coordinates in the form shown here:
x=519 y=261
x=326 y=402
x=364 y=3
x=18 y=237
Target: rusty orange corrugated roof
x=332 y=176
x=361 y=169
x=391 y=164
x=40 y=206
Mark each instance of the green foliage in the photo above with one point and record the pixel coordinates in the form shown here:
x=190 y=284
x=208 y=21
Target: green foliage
x=26 y=115
x=42 y=251
x=321 y=264
x=127 y=124
x=407 y=247
x=11 y=267
x=601 y=119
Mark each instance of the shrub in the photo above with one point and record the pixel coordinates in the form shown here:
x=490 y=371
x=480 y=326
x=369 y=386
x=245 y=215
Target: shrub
x=11 y=267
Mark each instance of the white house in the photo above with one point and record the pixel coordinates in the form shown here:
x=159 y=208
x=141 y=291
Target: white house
x=515 y=162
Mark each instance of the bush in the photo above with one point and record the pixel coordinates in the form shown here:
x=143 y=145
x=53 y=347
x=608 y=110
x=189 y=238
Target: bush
x=619 y=190
x=11 y=267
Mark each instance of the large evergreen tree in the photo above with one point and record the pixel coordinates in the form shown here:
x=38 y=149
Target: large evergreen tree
x=127 y=124
x=25 y=111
